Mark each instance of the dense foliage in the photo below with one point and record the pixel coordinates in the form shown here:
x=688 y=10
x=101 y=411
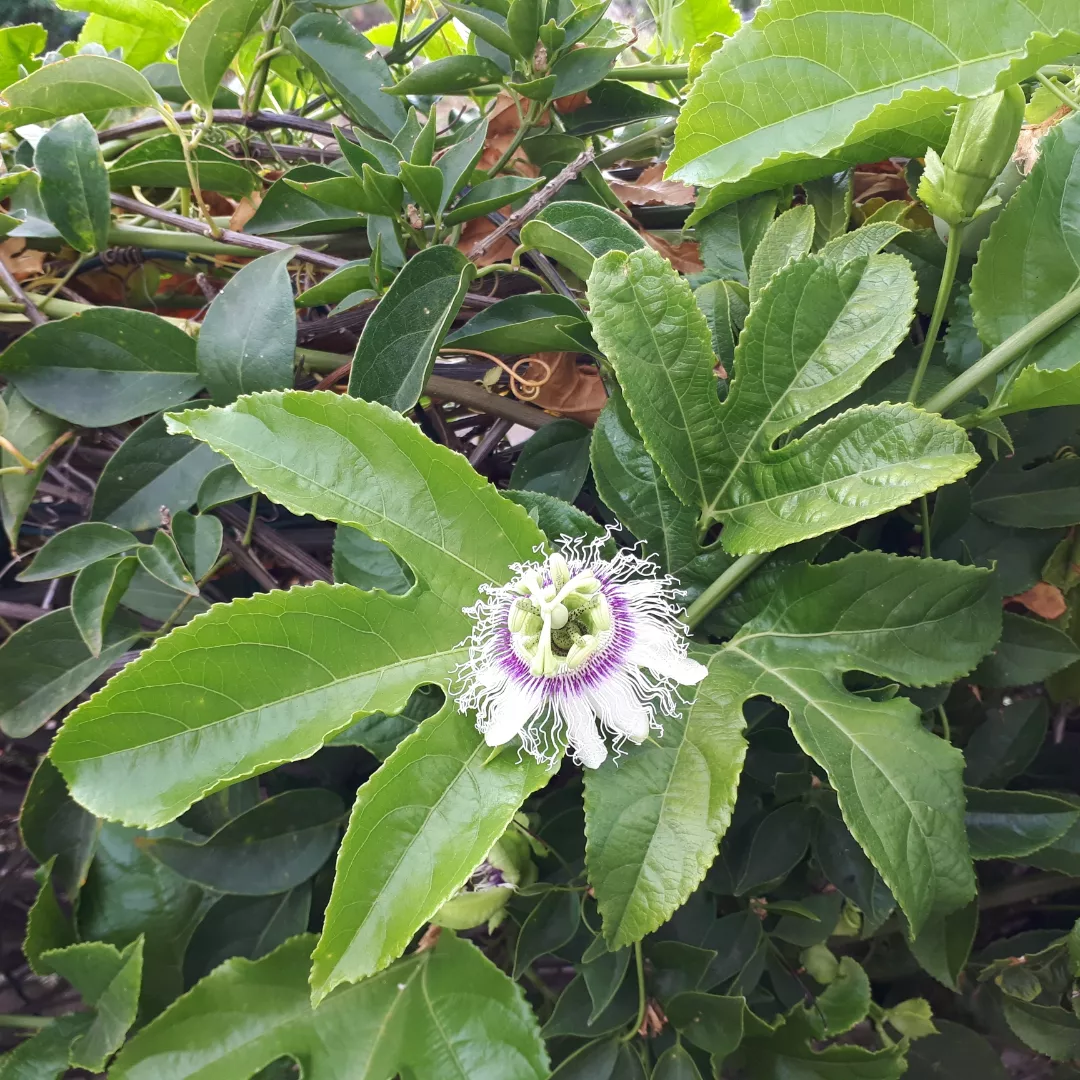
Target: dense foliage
x=313 y=336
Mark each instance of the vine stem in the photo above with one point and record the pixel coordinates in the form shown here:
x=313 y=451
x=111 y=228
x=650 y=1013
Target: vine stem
x=1012 y=348
x=186 y=147
x=941 y=304
x=649 y=72
x=27 y=1023
x=1058 y=91
x=640 y=1019
x=534 y=110
x=262 y=70
x=725 y=584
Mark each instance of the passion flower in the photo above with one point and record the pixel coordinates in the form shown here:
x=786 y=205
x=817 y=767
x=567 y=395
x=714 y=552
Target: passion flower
x=573 y=648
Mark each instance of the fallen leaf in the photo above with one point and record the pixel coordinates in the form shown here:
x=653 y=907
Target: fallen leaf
x=571 y=389
x=245 y=211
x=651 y=189
x=475 y=230
x=22 y=262
x=1043 y=599
x=683 y=256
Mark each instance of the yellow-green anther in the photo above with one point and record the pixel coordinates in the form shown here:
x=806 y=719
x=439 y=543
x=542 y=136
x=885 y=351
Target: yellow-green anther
x=600 y=615
x=525 y=618
x=560 y=570
x=580 y=651
x=955 y=185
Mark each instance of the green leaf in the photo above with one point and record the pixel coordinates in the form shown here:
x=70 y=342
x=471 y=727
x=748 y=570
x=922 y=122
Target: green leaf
x=603 y=977
x=220 y=486
x=248 y=338
x=488 y=23
x=414 y=1018
x=954 y=1051
x=778 y=844
x=1029 y=651
x=159 y=162
x=53 y=825
x=340 y=283
x=103 y=366
x=198 y=539
x=787 y=238
x=612 y=104
x=339 y=459
x=710 y=1021
x=844 y=322
x=606 y=1059
x=81 y=84
x=46 y=1055
x=400 y=860
x=550 y=925
x=555 y=460
x=45 y=664
x=632 y=486
x=47 y=927
x=1030 y=261
x=490 y=195
x=80 y=545
x=350 y=69
x=367 y=564
x=273 y=847
x=74 y=184
x=95 y=596
x=914 y=621
x=18 y=46
x=399 y=343
x=31 y=432
x=146 y=14
x=846 y=1000
x=450 y=75
x=162 y=561
x=1012 y=824
x=571 y=1015
x=151 y=469
x=115 y=1009
x=805 y=80
x=128 y=894
x=576 y=234
x=210 y=42
x=1035 y=388
x=248 y=926
x=582 y=68
x=725 y=305
x=285 y=211
x=1006 y=742
x=831 y=199
x=675 y=1064
x=1047 y=1029
x=655 y=817
x=730 y=236
x=526 y=324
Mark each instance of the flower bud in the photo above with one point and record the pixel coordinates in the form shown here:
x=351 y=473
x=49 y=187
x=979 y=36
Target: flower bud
x=984 y=133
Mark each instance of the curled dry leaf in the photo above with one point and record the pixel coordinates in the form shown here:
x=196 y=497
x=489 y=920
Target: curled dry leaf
x=570 y=389
x=22 y=263
x=572 y=102
x=245 y=210
x=651 y=189
x=1043 y=599
x=1031 y=135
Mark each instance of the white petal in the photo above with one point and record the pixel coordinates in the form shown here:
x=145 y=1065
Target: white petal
x=585 y=740
x=661 y=651
x=510 y=712
x=620 y=709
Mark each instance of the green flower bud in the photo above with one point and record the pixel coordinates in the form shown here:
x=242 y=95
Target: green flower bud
x=984 y=133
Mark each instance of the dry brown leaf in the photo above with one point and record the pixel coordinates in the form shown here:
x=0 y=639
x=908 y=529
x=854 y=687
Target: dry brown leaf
x=1043 y=599
x=570 y=390
x=475 y=230
x=21 y=262
x=245 y=210
x=572 y=102
x=683 y=256
x=1031 y=135
x=651 y=189
x=503 y=124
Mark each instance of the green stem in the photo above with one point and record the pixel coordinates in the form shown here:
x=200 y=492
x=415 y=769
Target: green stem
x=643 y=145
x=249 y=531
x=192 y=243
x=642 y=1001
x=190 y=165
x=649 y=72
x=27 y=1023
x=924 y=511
x=534 y=110
x=1012 y=348
x=253 y=98
x=943 y=716
x=723 y=586
x=501 y=268
x=941 y=305
x=1058 y=91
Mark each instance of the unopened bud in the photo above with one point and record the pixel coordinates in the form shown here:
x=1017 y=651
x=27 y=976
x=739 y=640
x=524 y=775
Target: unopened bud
x=984 y=133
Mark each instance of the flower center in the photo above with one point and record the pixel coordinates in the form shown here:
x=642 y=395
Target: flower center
x=559 y=624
